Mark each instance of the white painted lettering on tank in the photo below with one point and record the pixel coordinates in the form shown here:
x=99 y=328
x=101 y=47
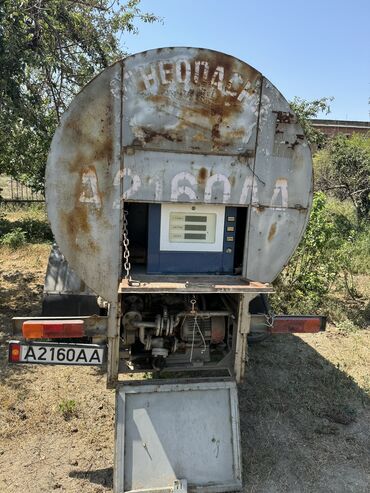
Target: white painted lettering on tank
x=265 y=119
x=177 y=189
x=150 y=79
x=244 y=92
x=90 y=193
x=135 y=183
x=115 y=87
x=281 y=188
x=198 y=67
x=165 y=72
x=117 y=178
x=185 y=183
x=249 y=191
x=209 y=185
x=218 y=78
x=183 y=72
x=235 y=81
x=127 y=74
x=158 y=191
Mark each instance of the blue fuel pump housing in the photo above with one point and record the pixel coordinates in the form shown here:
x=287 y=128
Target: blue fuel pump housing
x=214 y=257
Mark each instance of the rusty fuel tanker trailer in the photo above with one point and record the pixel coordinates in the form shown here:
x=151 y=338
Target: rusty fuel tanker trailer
x=178 y=186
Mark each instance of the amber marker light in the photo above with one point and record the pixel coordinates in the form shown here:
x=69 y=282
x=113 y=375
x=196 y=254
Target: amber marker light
x=14 y=352
x=297 y=324
x=53 y=329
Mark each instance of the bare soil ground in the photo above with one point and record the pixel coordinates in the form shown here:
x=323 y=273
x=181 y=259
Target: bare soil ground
x=304 y=408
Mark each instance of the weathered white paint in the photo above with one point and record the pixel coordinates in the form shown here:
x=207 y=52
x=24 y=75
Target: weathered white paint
x=184 y=184
x=89 y=194
x=178 y=188
x=210 y=183
x=249 y=187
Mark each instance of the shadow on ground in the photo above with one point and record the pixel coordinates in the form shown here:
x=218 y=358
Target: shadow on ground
x=20 y=295
x=304 y=422
x=304 y=426
x=103 y=477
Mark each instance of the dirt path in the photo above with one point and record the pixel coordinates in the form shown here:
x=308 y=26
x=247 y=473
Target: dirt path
x=304 y=412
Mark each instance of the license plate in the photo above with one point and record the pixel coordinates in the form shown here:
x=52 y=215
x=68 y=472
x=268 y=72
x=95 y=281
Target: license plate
x=56 y=354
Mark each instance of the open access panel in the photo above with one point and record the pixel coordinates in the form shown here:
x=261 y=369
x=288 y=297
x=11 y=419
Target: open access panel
x=177 y=437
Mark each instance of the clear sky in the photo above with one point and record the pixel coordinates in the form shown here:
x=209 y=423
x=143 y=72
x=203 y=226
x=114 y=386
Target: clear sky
x=306 y=48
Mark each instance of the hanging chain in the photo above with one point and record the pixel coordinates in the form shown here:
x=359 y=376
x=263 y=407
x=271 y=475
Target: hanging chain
x=126 y=251
x=193 y=303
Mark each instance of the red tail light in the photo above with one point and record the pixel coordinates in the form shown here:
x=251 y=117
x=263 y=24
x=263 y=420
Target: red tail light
x=14 y=352
x=297 y=324
x=52 y=329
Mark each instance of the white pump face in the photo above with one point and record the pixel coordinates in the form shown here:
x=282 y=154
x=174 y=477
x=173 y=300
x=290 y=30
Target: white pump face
x=192 y=228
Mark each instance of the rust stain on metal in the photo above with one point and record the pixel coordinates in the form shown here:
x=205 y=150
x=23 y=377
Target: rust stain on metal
x=150 y=135
x=205 y=92
x=202 y=175
x=105 y=151
x=272 y=232
x=284 y=117
x=100 y=149
x=76 y=222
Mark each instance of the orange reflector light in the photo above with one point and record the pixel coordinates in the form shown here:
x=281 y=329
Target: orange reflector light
x=52 y=329
x=297 y=324
x=14 y=352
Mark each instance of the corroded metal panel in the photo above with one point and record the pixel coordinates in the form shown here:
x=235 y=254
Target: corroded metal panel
x=272 y=238
x=190 y=100
x=283 y=177
x=283 y=157
x=83 y=161
x=154 y=176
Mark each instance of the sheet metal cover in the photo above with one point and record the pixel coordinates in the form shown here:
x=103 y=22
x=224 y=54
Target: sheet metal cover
x=177 y=431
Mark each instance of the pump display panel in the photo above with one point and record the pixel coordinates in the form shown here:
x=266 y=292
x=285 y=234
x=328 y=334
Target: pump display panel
x=192 y=228
x=186 y=228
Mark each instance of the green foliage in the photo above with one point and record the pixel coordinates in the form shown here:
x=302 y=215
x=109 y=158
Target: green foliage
x=14 y=239
x=332 y=251
x=48 y=50
x=343 y=170
x=359 y=251
x=32 y=230
x=68 y=408
x=347 y=326
x=305 y=111
x=313 y=267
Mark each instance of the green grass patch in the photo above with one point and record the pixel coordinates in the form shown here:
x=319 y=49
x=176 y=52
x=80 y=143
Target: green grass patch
x=24 y=224
x=68 y=409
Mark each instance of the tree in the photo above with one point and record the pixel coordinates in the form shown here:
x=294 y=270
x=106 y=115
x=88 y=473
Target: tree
x=305 y=111
x=343 y=170
x=48 y=51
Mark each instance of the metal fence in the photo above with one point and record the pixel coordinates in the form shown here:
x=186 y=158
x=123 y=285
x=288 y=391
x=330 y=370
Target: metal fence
x=13 y=191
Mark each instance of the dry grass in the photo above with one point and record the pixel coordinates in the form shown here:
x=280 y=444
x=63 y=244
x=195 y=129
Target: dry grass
x=304 y=408
x=20 y=213
x=305 y=415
